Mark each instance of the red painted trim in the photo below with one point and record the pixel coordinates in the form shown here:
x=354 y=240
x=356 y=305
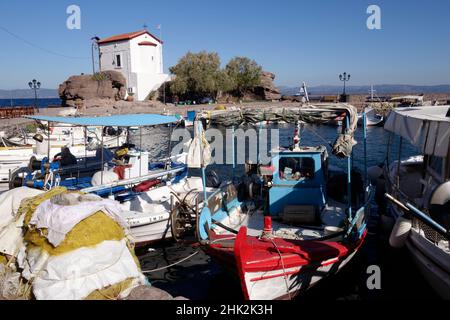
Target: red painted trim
x=330 y=261
x=127 y=36
x=241 y=254
x=147 y=43
x=284 y=274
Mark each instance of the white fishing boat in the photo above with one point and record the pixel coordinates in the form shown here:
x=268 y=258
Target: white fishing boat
x=409 y=101
x=372 y=118
x=16 y=151
x=419 y=188
x=151 y=193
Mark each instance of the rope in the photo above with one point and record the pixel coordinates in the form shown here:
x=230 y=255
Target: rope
x=319 y=136
x=171 y=265
x=284 y=269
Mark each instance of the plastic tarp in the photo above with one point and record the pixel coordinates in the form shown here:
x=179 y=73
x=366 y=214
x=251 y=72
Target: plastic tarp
x=126 y=120
x=76 y=274
x=427 y=128
x=10 y=224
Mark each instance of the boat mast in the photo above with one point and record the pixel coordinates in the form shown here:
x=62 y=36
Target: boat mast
x=305 y=90
x=349 y=177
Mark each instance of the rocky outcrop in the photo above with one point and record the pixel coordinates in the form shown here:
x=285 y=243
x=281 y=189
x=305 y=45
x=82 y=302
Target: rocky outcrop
x=104 y=85
x=267 y=89
x=151 y=293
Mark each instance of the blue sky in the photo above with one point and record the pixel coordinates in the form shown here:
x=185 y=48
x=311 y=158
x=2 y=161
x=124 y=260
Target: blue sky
x=298 y=40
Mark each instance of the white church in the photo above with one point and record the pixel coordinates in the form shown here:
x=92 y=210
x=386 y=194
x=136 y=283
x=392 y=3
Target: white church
x=139 y=57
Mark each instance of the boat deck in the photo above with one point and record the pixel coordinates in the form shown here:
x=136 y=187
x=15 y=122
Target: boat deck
x=333 y=215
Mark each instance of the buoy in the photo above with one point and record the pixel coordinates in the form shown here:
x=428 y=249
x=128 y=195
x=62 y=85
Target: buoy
x=400 y=233
x=108 y=177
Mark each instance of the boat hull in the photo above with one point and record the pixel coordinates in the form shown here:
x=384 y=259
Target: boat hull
x=264 y=275
x=432 y=262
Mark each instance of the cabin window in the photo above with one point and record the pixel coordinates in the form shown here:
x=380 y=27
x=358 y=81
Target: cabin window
x=118 y=61
x=296 y=168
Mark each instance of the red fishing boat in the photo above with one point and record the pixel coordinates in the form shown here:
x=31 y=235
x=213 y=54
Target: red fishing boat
x=291 y=225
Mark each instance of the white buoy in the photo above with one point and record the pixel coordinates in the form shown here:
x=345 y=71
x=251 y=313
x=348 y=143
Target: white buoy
x=108 y=177
x=400 y=233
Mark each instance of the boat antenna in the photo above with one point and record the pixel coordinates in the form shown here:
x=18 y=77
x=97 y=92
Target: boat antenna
x=373 y=95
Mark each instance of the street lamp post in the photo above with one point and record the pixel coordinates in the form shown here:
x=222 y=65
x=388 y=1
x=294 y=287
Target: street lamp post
x=35 y=85
x=344 y=77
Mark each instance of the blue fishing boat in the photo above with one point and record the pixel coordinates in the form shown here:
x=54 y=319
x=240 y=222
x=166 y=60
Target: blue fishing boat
x=285 y=227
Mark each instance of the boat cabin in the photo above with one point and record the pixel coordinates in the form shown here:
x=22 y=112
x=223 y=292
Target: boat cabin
x=428 y=129
x=299 y=181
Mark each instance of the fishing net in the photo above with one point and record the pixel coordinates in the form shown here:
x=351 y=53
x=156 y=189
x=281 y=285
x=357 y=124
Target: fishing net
x=91 y=233
x=316 y=114
x=87 y=233
x=28 y=206
x=111 y=292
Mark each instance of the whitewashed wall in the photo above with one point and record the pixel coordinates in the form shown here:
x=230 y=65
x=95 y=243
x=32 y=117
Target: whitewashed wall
x=141 y=65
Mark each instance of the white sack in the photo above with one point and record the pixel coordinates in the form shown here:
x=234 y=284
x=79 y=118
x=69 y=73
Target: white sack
x=10 y=224
x=74 y=275
x=60 y=220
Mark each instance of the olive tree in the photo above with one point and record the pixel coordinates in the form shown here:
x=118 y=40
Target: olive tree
x=197 y=75
x=244 y=74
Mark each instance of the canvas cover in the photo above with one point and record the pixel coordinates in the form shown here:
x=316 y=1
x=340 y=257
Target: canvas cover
x=427 y=128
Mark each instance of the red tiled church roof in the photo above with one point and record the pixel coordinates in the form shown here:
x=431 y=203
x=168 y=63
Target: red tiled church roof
x=127 y=36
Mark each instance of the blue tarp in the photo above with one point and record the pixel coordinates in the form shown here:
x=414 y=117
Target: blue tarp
x=125 y=120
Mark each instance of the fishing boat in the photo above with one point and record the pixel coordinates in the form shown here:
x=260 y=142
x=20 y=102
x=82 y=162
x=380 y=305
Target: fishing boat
x=409 y=101
x=16 y=151
x=284 y=228
x=419 y=190
x=372 y=118
x=148 y=191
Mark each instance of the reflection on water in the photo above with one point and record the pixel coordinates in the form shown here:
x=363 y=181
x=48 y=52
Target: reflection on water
x=202 y=278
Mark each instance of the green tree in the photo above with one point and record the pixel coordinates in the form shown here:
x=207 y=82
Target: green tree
x=197 y=75
x=244 y=74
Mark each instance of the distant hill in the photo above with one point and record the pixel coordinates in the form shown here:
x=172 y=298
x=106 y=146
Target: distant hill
x=380 y=89
x=28 y=93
